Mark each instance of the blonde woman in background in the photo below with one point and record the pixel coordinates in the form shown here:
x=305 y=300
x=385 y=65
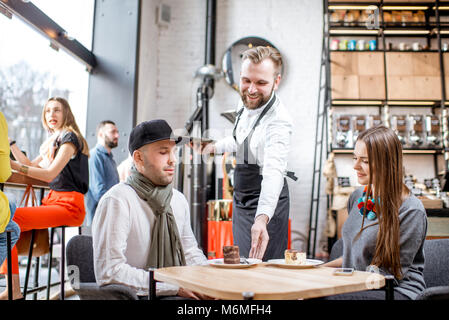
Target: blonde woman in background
x=63 y=163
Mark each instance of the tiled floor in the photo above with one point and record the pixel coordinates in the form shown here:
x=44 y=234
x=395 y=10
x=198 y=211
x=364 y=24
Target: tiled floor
x=43 y=276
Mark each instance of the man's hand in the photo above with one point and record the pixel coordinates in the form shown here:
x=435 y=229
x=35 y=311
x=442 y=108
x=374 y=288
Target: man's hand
x=192 y=295
x=259 y=237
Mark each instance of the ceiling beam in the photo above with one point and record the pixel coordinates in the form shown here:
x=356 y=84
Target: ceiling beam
x=58 y=37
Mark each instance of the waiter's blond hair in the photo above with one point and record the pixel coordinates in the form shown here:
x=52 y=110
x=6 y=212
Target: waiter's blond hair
x=260 y=53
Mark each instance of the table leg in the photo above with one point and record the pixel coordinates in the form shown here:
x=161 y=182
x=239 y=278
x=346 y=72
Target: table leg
x=152 y=287
x=248 y=295
x=389 y=287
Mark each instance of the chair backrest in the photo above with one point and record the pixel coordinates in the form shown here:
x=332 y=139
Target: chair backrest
x=337 y=250
x=80 y=253
x=436 y=265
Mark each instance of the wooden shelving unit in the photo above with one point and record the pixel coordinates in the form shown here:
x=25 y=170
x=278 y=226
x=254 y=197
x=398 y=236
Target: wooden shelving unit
x=386 y=78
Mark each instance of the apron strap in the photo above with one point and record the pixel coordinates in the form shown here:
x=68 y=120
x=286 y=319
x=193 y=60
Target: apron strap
x=236 y=123
x=291 y=175
x=248 y=138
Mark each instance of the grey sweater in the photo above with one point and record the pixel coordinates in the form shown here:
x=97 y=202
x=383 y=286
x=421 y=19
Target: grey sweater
x=358 y=254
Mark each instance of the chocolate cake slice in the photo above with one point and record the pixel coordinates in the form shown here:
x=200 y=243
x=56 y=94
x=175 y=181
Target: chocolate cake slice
x=231 y=254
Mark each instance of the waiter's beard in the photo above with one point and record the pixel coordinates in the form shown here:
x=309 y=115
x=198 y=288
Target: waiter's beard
x=255 y=104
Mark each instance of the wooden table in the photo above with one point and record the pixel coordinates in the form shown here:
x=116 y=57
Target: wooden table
x=267 y=282
x=19 y=180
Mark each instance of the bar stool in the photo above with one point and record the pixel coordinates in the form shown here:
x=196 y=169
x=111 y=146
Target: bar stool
x=62 y=262
x=27 y=273
x=8 y=248
x=61 y=268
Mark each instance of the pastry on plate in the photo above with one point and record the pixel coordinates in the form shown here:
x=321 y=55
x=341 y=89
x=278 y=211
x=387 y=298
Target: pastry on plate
x=295 y=257
x=231 y=255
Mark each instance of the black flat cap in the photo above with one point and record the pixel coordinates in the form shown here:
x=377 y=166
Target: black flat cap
x=151 y=131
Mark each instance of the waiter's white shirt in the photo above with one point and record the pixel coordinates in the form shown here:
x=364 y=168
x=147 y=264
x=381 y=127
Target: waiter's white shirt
x=270 y=144
x=121 y=234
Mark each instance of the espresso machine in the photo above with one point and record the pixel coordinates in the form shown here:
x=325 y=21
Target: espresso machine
x=359 y=125
x=416 y=133
x=399 y=125
x=343 y=134
x=433 y=131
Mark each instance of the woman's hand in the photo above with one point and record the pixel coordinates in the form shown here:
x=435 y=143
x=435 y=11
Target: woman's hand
x=65 y=153
x=15 y=165
x=337 y=263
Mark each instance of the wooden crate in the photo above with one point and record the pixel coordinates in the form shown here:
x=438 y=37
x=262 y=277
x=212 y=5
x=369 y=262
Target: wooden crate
x=431 y=203
x=437 y=227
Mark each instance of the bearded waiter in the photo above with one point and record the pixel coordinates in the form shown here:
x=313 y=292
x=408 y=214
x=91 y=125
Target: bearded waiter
x=261 y=140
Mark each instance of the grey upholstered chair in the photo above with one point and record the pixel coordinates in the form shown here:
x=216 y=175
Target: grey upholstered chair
x=80 y=255
x=436 y=268
x=337 y=250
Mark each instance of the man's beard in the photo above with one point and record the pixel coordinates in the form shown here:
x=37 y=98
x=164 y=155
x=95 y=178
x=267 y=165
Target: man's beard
x=156 y=176
x=111 y=144
x=261 y=101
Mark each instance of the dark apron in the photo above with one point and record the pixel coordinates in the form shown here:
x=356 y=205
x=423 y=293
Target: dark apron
x=247 y=187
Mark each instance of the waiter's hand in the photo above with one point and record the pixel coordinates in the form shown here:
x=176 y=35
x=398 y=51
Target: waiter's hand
x=203 y=147
x=259 y=237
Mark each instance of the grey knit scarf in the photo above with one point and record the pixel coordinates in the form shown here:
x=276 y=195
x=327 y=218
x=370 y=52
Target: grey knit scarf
x=166 y=249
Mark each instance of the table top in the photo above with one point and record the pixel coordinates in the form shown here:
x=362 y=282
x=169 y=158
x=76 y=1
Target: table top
x=267 y=282
x=17 y=179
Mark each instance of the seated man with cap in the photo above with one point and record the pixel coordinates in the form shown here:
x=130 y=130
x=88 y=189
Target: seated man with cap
x=143 y=222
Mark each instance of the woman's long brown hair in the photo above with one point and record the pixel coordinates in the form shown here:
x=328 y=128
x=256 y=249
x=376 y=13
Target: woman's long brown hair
x=386 y=176
x=69 y=122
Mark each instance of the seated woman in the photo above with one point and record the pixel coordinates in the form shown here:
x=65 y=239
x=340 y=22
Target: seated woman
x=63 y=162
x=386 y=226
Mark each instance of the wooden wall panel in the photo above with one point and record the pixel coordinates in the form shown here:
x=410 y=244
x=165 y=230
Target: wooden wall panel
x=344 y=63
x=400 y=87
x=427 y=88
x=399 y=63
x=426 y=64
x=370 y=63
x=372 y=87
x=345 y=87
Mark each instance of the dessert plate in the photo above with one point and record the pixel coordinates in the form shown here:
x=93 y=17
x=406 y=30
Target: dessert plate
x=310 y=263
x=244 y=263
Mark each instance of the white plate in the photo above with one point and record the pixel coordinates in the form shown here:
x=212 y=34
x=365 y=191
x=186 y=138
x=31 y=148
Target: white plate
x=310 y=263
x=219 y=263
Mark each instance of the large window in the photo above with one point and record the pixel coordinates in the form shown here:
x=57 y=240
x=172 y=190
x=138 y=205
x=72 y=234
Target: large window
x=31 y=71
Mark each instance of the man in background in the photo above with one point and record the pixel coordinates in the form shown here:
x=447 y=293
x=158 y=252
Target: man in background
x=103 y=172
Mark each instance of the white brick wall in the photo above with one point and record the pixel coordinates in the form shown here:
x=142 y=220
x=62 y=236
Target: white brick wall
x=170 y=56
